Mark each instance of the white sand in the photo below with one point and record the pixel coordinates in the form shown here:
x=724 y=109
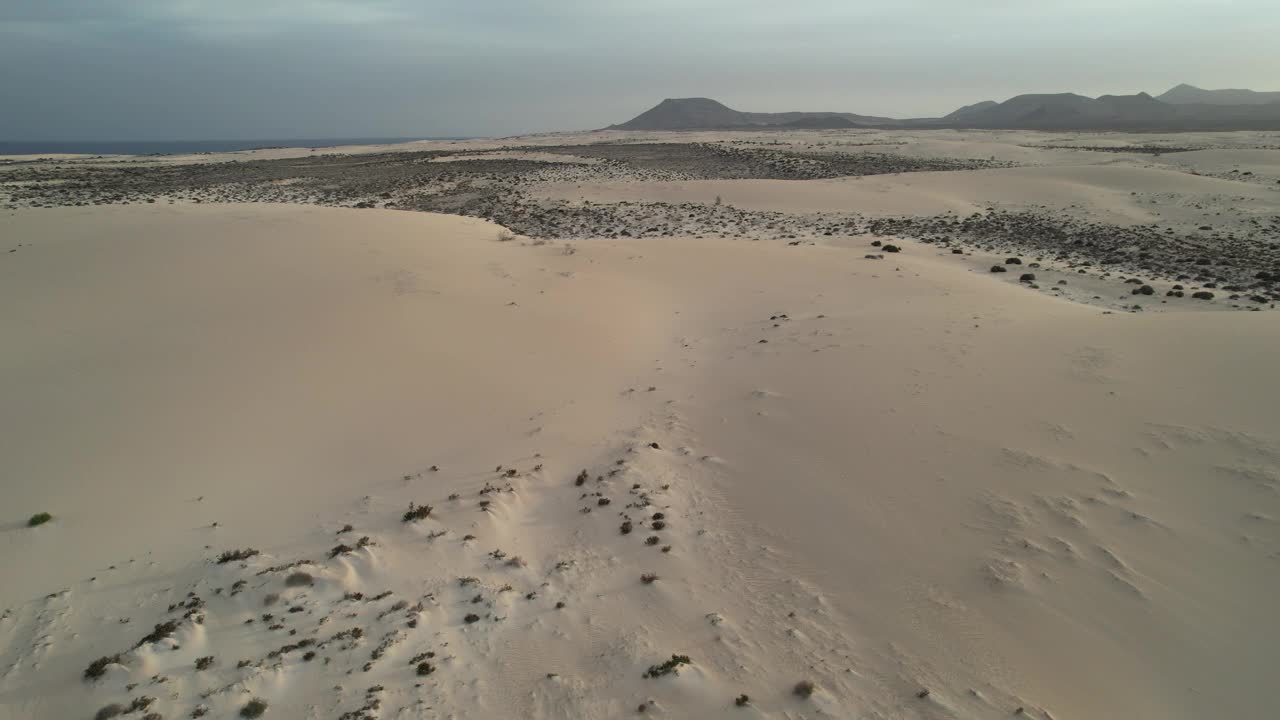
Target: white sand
x=925 y=479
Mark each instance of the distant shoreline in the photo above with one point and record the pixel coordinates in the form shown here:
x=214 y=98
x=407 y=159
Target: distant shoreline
x=184 y=147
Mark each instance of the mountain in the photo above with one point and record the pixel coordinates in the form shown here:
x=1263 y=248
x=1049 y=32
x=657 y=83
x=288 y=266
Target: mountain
x=1042 y=111
x=828 y=122
x=1189 y=94
x=968 y=110
x=1141 y=112
x=683 y=114
x=707 y=114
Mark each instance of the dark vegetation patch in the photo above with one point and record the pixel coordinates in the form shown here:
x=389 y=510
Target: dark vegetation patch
x=669 y=667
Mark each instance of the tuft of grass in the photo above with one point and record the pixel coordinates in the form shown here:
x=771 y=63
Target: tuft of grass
x=255 y=708
x=39 y=519
x=506 y=236
x=648 y=578
x=204 y=663
x=804 y=688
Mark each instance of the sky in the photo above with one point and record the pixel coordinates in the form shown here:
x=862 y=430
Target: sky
x=251 y=69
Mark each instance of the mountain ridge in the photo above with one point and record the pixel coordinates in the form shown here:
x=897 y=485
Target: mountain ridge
x=1031 y=111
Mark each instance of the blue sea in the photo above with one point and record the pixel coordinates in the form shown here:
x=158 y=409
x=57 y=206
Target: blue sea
x=180 y=147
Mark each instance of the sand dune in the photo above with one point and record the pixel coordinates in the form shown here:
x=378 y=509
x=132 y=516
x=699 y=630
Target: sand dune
x=929 y=493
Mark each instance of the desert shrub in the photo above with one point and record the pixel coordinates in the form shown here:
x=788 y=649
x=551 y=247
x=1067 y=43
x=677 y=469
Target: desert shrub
x=804 y=688
x=255 y=708
x=39 y=519
x=416 y=512
x=109 y=711
x=98 y=667
x=299 y=579
x=669 y=667
x=158 y=633
x=236 y=555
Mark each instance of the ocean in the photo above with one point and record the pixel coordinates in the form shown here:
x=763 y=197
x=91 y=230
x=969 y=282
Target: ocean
x=179 y=147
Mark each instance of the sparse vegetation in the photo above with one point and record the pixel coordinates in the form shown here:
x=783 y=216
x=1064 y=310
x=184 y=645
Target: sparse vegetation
x=39 y=519
x=648 y=578
x=506 y=236
x=804 y=688
x=204 y=663
x=742 y=700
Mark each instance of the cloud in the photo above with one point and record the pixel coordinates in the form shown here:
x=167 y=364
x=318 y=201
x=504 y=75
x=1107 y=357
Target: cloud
x=136 y=69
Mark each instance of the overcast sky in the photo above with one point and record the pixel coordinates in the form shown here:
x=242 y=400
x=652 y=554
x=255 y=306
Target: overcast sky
x=250 y=69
